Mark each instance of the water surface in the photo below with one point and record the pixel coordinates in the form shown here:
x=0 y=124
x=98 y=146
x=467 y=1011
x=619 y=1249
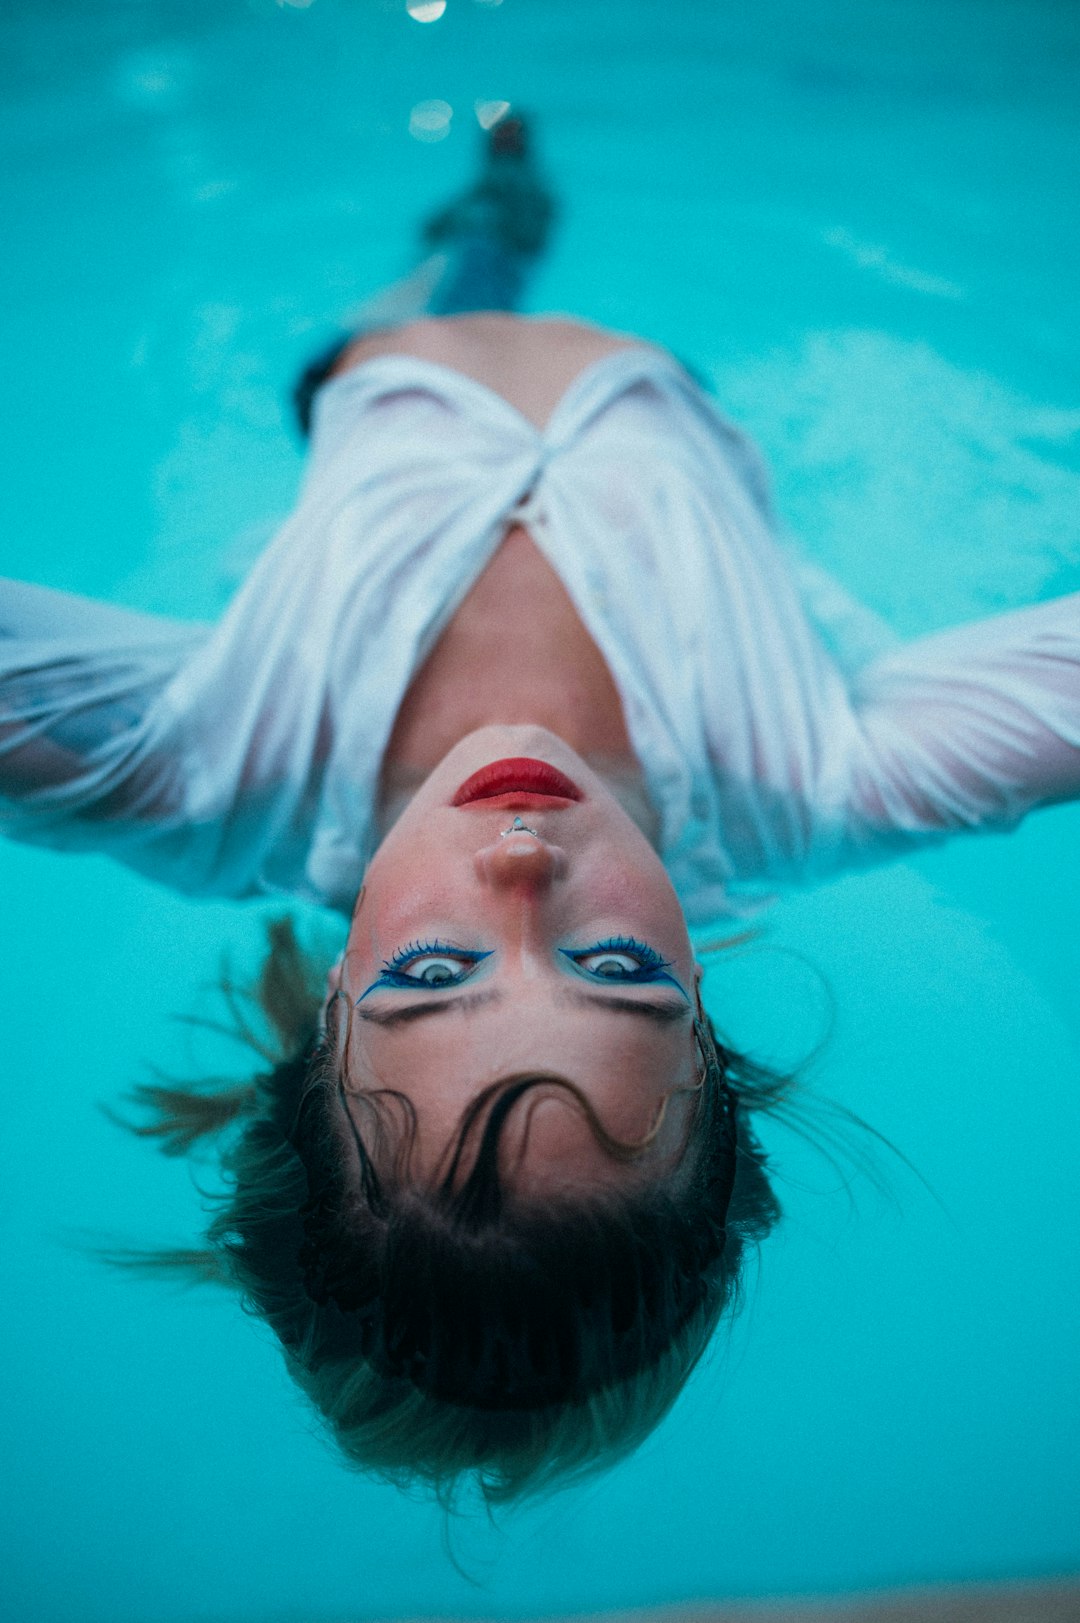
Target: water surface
x=859 y=220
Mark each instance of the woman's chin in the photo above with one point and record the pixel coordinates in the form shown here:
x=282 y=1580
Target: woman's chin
x=499 y=740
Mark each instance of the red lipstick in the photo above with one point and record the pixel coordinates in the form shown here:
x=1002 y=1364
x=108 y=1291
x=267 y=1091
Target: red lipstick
x=516 y=777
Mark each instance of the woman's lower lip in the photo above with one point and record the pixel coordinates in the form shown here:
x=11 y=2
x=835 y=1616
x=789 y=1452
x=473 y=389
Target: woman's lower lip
x=520 y=800
x=518 y=779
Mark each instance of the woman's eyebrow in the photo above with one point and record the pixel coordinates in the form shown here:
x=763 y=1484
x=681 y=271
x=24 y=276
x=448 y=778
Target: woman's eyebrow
x=666 y=1012
x=418 y=1011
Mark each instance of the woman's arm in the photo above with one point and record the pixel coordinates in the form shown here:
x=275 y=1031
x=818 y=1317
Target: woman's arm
x=186 y=752
x=83 y=763
x=967 y=729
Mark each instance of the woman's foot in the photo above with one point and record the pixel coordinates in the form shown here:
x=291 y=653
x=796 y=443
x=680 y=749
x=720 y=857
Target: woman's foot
x=508 y=203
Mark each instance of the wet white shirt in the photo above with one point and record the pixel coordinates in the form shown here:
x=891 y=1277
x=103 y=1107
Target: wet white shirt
x=783 y=734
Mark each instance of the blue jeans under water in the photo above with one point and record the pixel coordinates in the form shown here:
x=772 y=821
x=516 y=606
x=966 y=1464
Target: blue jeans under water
x=481 y=273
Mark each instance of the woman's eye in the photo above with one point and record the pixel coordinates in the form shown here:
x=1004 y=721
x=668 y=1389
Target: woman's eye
x=430 y=966
x=613 y=965
x=434 y=970
x=620 y=960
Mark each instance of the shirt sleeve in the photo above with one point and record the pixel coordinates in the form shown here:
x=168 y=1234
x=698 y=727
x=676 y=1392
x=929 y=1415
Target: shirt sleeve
x=966 y=729
x=89 y=750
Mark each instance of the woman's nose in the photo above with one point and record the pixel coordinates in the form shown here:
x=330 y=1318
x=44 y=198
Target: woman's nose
x=520 y=860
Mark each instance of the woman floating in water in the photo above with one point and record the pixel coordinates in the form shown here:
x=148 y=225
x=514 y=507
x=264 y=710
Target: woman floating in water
x=523 y=686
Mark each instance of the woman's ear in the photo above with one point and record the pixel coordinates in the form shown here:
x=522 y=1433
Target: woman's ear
x=333 y=976
x=335 y=989
x=699 y=975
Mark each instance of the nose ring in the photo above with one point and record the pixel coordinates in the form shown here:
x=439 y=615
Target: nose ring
x=518 y=827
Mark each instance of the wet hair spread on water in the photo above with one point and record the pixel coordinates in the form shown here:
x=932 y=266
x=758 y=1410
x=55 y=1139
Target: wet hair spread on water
x=450 y=1334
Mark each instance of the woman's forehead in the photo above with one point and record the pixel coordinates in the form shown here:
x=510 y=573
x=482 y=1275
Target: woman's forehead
x=623 y=1062
x=555 y=1135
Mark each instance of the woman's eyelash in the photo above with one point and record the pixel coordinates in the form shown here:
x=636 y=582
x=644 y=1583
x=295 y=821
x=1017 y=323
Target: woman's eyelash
x=415 y=949
x=650 y=964
x=628 y=943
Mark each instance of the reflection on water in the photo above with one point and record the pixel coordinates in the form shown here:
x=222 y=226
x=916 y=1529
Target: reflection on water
x=426 y=11
x=430 y=120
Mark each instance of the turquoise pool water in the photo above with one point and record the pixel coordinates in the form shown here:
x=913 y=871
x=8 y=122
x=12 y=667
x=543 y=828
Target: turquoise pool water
x=860 y=220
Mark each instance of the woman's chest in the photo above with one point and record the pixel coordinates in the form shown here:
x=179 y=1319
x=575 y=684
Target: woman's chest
x=515 y=650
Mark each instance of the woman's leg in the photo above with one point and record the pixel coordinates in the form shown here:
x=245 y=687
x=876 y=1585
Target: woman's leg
x=483 y=246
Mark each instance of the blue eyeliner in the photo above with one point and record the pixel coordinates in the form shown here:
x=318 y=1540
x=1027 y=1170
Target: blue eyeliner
x=650 y=968
x=394 y=969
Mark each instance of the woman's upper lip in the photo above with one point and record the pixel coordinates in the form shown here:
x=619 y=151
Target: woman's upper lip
x=518 y=779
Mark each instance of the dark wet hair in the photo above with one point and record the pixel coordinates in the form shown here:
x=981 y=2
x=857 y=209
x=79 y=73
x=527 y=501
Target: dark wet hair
x=450 y=1331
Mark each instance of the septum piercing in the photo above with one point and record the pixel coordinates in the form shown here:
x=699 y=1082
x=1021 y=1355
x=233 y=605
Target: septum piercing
x=518 y=827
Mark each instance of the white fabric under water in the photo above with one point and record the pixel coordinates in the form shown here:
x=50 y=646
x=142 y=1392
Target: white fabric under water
x=246 y=760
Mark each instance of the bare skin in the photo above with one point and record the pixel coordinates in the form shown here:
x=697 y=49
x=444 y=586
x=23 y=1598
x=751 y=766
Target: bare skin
x=516 y=651
x=516 y=926
x=515 y=673
x=530 y=361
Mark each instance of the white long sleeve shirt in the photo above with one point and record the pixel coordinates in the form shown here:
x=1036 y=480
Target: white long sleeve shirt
x=243 y=758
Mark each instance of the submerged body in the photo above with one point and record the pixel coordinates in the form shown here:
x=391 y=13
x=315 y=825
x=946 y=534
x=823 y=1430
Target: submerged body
x=496 y=1193
x=593 y=552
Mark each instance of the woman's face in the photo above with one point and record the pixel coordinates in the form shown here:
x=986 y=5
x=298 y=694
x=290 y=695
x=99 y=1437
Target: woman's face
x=560 y=947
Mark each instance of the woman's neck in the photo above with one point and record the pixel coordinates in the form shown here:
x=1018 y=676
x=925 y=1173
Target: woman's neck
x=515 y=652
